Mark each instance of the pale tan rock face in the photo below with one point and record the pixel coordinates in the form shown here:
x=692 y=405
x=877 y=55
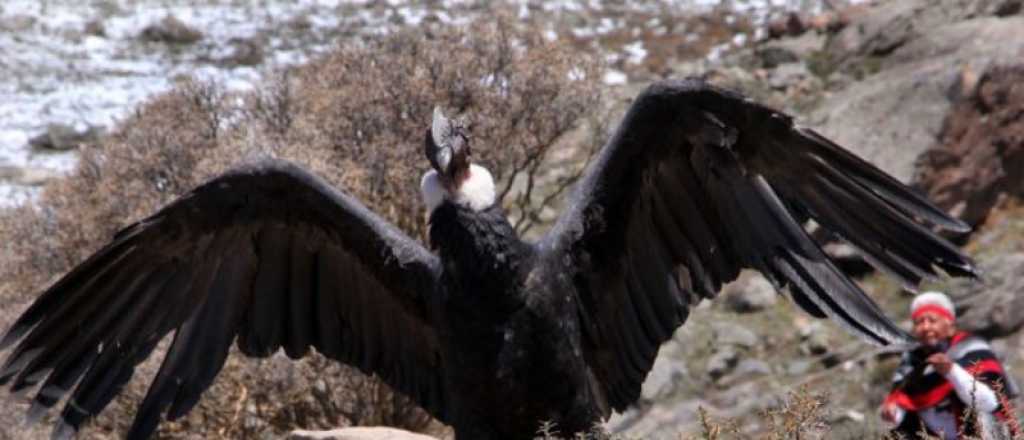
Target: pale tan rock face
x=908 y=58
x=358 y=433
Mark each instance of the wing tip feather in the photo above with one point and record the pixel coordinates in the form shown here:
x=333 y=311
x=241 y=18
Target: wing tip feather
x=13 y=334
x=63 y=431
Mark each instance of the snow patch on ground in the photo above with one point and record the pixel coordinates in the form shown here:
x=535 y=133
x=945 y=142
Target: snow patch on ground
x=614 y=77
x=53 y=70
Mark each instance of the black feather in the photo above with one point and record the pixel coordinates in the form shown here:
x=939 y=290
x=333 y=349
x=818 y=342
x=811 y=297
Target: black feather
x=300 y=297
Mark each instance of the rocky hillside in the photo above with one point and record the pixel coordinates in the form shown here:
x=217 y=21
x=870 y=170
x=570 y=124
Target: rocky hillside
x=931 y=91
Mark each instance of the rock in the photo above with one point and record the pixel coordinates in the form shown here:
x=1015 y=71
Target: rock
x=358 y=433
x=848 y=258
x=770 y=57
x=741 y=79
x=992 y=306
x=829 y=22
x=16 y=23
x=789 y=85
x=893 y=115
x=851 y=13
x=244 y=52
x=806 y=327
x=980 y=152
x=750 y=292
x=881 y=30
x=1008 y=7
x=792 y=75
x=300 y=23
x=27 y=176
x=662 y=379
x=743 y=398
x=822 y=22
x=748 y=368
x=63 y=137
x=95 y=28
x=801 y=46
x=816 y=343
x=999 y=8
x=798 y=367
x=880 y=37
x=731 y=334
x=792 y=25
x=8 y=172
x=721 y=363
x=171 y=30
x=965 y=85
x=849 y=415
x=655 y=421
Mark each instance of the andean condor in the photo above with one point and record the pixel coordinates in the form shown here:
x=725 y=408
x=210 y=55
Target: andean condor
x=488 y=333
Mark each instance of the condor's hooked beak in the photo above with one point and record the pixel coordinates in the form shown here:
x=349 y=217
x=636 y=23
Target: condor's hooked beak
x=446 y=147
x=444 y=159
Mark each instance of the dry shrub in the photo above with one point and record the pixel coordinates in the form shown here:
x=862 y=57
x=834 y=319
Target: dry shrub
x=803 y=414
x=549 y=431
x=358 y=118
x=518 y=92
x=711 y=429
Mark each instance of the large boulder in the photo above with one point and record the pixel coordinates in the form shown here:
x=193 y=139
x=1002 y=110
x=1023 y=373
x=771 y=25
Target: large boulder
x=751 y=292
x=992 y=307
x=666 y=374
x=880 y=30
x=980 y=154
x=909 y=56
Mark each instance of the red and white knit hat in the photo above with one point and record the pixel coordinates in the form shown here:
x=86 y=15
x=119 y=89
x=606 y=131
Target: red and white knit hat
x=936 y=302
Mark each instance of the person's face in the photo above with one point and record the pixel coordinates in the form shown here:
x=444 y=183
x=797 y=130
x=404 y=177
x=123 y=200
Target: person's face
x=931 y=328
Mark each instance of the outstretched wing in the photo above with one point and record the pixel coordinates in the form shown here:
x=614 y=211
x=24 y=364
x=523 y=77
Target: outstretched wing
x=698 y=183
x=269 y=254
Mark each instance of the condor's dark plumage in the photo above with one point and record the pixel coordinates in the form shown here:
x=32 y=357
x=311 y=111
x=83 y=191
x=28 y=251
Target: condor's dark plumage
x=490 y=334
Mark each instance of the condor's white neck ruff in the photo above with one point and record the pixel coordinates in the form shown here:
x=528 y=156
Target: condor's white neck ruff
x=476 y=192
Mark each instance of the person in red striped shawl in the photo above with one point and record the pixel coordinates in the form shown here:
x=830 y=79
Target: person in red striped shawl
x=952 y=384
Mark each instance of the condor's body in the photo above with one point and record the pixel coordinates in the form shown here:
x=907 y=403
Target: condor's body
x=511 y=327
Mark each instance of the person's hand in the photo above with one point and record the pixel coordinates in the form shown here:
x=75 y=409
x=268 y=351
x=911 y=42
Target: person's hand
x=889 y=412
x=942 y=363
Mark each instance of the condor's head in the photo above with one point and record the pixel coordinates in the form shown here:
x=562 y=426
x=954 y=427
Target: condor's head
x=453 y=177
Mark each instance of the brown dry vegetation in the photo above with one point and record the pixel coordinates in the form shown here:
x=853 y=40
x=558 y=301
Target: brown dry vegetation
x=356 y=117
